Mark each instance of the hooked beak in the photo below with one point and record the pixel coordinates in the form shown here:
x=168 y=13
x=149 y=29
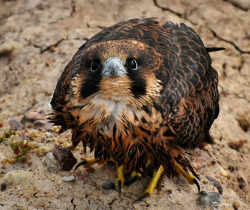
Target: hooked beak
x=113 y=67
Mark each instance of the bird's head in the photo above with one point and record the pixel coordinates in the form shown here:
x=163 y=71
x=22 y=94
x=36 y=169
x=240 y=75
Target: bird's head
x=121 y=68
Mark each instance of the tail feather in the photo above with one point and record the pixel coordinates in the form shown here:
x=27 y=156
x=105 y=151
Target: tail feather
x=213 y=49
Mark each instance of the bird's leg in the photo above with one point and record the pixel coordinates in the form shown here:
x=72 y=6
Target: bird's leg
x=152 y=184
x=189 y=177
x=120 y=178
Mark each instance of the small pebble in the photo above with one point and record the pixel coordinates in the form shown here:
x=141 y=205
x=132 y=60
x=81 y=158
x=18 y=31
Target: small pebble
x=35 y=135
x=7 y=47
x=108 y=186
x=236 y=145
x=40 y=123
x=215 y=183
x=236 y=205
x=41 y=151
x=223 y=172
x=52 y=48
x=56 y=129
x=242 y=180
x=68 y=178
x=48 y=126
x=3 y=186
x=15 y=122
x=204 y=181
x=47 y=137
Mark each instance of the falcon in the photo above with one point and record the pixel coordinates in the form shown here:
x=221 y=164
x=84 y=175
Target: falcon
x=142 y=95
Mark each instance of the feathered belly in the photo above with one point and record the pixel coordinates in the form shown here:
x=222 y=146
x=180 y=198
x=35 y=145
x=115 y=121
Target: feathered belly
x=119 y=130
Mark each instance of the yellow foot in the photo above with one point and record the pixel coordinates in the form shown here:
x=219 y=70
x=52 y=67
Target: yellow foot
x=189 y=177
x=120 y=178
x=88 y=162
x=152 y=184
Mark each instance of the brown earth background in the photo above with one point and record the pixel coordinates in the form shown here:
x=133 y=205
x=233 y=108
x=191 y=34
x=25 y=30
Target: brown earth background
x=37 y=40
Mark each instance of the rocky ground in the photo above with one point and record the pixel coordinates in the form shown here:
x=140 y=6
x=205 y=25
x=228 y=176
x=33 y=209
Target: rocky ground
x=38 y=38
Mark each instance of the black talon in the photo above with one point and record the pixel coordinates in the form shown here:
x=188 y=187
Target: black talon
x=142 y=197
x=131 y=181
x=80 y=164
x=198 y=185
x=119 y=187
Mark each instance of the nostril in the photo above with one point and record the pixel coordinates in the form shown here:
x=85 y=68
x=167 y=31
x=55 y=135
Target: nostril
x=114 y=65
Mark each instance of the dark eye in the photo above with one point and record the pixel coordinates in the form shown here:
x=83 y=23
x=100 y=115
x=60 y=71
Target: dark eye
x=132 y=64
x=95 y=66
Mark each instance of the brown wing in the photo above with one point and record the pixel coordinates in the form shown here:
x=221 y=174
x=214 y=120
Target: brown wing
x=191 y=96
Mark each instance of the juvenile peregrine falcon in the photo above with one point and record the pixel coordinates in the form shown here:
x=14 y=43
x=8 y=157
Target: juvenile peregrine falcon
x=139 y=93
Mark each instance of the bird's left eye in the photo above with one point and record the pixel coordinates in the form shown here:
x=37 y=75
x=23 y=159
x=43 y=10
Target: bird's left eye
x=95 y=66
x=132 y=64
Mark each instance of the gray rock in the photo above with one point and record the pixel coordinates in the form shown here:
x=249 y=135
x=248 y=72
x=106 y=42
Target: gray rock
x=108 y=186
x=212 y=199
x=48 y=126
x=19 y=177
x=51 y=162
x=39 y=123
x=15 y=122
x=68 y=178
x=47 y=135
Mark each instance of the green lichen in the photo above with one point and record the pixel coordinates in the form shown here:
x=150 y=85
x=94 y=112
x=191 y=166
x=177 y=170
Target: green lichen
x=20 y=148
x=7 y=134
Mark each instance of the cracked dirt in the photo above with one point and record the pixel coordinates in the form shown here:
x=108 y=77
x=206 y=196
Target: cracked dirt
x=44 y=35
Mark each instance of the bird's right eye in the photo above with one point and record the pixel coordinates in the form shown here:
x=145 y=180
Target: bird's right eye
x=95 y=66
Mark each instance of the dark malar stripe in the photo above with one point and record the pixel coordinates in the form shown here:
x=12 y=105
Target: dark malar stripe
x=90 y=85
